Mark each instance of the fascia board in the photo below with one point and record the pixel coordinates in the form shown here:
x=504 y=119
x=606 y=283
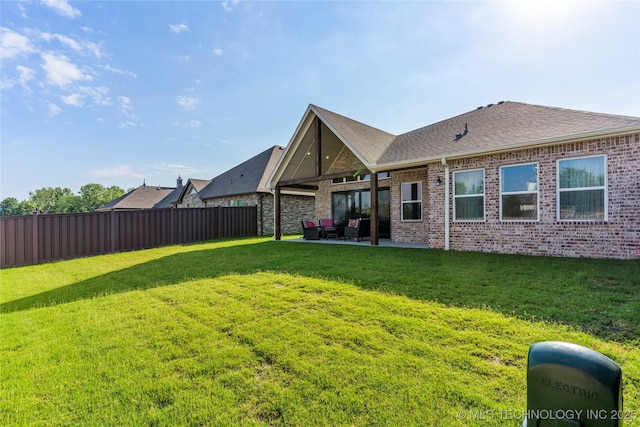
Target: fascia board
x=521 y=145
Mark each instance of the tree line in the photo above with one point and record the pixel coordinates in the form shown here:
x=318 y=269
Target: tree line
x=61 y=200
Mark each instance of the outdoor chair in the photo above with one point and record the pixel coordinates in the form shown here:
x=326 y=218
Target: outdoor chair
x=328 y=229
x=357 y=229
x=310 y=230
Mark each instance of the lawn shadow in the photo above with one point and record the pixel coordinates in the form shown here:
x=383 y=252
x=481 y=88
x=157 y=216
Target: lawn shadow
x=583 y=294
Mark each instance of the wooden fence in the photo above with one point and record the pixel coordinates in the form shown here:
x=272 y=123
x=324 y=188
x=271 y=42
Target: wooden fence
x=34 y=239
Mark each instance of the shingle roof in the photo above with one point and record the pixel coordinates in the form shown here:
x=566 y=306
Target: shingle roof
x=366 y=140
x=143 y=197
x=248 y=177
x=502 y=125
x=170 y=199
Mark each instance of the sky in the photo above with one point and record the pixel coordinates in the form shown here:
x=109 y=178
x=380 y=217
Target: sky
x=126 y=92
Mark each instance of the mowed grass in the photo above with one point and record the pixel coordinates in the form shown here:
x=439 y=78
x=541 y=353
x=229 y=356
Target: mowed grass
x=254 y=332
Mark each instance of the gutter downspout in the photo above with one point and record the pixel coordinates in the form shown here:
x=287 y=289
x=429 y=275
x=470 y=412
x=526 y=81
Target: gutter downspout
x=446 y=203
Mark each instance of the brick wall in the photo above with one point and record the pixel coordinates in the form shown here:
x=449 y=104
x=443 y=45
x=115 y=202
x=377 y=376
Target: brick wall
x=293 y=209
x=618 y=237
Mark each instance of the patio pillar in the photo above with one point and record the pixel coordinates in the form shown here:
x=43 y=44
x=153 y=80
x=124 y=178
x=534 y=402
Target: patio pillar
x=318 y=153
x=276 y=214
x=374 y=209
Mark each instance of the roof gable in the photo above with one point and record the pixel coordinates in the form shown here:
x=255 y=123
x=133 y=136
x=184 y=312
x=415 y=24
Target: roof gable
x=365 y=141
x=246 y=178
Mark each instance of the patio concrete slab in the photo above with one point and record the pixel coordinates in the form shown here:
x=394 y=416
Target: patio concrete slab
x=381 y=243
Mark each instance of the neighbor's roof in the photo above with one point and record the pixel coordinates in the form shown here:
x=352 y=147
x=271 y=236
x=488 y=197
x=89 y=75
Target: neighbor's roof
x=143 y=197
x=248 y=177
x=197 y=184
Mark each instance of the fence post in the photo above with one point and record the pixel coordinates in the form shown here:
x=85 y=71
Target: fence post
x=36 y=238
x=172 y=225
x=114 y=232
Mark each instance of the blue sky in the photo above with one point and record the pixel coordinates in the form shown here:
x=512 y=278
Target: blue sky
x=117 y=92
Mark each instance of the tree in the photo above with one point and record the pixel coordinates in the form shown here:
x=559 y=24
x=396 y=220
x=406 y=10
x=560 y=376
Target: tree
x=92 y=196
x=54 y=200
x=11 y=206
x=61 y=200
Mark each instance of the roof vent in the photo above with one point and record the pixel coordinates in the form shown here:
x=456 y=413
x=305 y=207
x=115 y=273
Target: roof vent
x=489 y=105
x=460 y=135
x=480 y=108
x=501 y=102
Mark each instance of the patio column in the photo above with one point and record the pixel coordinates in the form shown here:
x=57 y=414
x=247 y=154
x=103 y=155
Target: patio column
x=276 y=214
x=374 y=209
x=318 y=153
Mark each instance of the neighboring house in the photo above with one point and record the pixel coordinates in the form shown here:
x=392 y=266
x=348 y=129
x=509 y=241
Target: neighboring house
x=189 y=196
x=508 y=177
x=143 y=197
x=246 y=185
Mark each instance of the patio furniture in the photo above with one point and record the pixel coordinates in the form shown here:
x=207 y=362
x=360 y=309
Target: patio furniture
x=310 y=230
x=328 y=229
x=357 y=229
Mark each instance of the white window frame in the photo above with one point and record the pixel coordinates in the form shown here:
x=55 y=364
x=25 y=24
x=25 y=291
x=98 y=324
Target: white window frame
x=511 y=193
x=484 y=197
x=402 y=201
x=604 y=188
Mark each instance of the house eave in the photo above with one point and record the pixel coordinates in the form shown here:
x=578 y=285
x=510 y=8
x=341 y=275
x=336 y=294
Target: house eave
x=565 y=139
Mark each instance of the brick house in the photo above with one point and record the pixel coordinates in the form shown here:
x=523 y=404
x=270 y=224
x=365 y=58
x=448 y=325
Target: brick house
x=245 y=185
x=190 y=195
x=507 y=177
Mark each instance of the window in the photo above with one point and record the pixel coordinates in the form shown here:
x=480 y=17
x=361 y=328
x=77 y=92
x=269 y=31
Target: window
x=582 y=194
x=519 y=192
x=412 y=201
x=381 y=175
x=236 y=203
x=468 y=195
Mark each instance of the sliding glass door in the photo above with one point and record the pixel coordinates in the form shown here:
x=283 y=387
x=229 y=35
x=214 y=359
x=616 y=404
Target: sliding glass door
x=357 y=204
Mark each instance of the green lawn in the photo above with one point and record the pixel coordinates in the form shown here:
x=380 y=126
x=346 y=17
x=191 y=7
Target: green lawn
x=255 y=332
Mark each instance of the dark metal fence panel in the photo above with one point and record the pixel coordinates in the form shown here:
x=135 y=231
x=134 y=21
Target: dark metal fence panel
x=33 y=239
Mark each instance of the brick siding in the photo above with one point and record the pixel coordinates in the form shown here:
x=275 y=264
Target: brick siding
x=617 y=237
x=294 y=208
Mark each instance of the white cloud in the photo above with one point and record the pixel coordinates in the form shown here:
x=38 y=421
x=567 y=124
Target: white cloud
x=125 y=104
x=73 y=99
x=120 y=171
x=218 y=51
x=54 y=110
x=189 y=124
x=82 y=46
x=126 y=107
x=26 y=74
x=228 y=5
x=188 y=102
x=61 y=72
x=119 y=71
x=178 y=28
x=13 y=44
x=99 y=94
x=62 y=8
x=129 y=124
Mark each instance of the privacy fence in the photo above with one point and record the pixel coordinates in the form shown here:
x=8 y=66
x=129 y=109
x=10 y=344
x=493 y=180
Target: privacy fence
x=41 y=238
